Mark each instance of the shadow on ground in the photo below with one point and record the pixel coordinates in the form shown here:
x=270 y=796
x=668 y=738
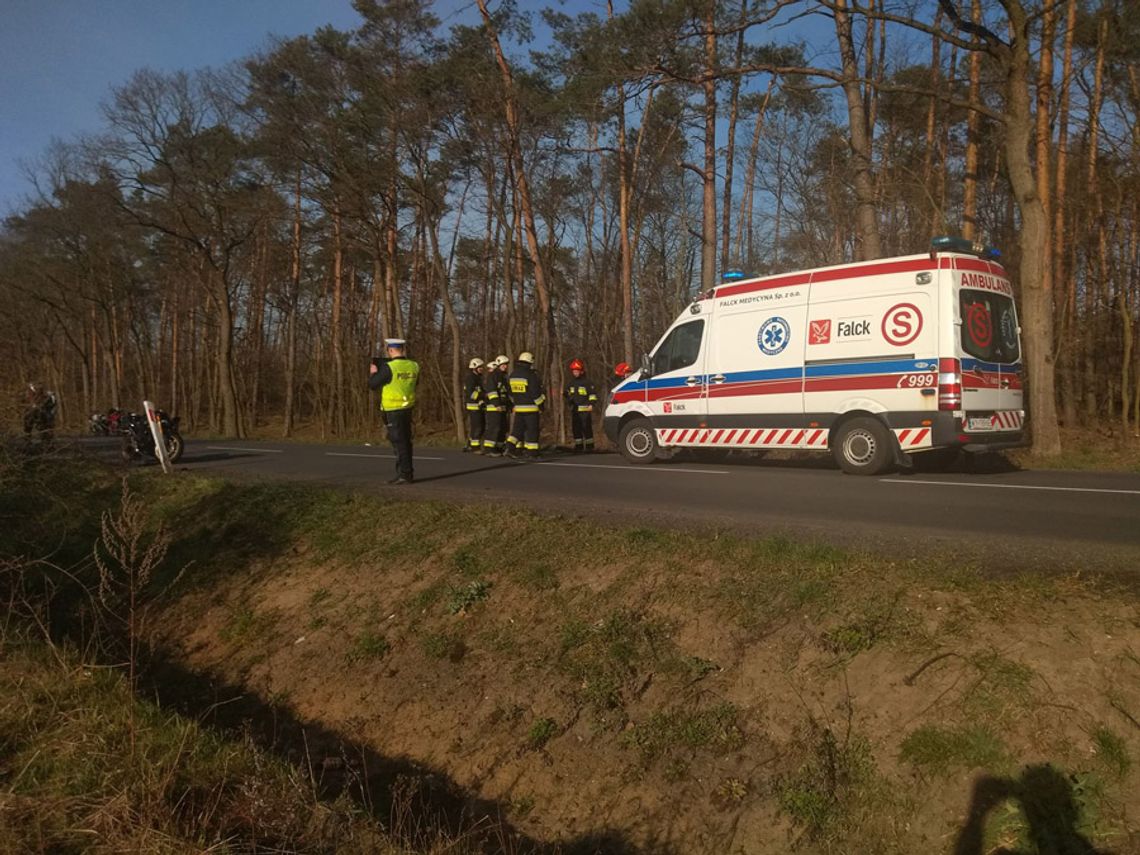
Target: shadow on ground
x=413 y=801
x=1048 y=804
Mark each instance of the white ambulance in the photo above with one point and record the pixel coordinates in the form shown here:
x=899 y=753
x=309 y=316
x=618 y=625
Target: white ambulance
x=877 y=362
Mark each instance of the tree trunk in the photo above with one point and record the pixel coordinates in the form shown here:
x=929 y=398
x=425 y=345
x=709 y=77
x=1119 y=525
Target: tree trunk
x=336 y=398
x=973 y=120
x=744 y=223
x=730 y=147
x=708 y=201
x=868 y=243
x=624 y=191
x=1036 y=298
x=1043 y=141
x=292 y=300
x=1063 y=282
x=227 y=390
x=1097 y=288
x=531 y=231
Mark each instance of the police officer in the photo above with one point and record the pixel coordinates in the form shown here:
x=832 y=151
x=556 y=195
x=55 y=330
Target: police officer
x=396 y=378
x=497 y=394
x=475 y=401
x=528 y=398
x=581 y=396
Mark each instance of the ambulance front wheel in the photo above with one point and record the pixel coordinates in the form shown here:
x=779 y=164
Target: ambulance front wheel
x=863 y=447
x=637 y=442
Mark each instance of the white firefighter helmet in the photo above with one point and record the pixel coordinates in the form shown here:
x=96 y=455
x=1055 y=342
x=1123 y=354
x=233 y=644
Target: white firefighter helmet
x=501 y=359
x=475 y=363
x=527 y=357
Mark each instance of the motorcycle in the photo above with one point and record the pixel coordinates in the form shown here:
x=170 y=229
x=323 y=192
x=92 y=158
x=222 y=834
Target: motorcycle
x=105 y=424
x=138 y=440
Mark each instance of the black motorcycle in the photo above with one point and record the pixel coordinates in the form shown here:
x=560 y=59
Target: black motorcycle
x=138 y=440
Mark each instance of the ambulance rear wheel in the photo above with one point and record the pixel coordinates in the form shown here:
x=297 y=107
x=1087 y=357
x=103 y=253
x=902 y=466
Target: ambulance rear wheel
x=637 y=442
x=863 y=447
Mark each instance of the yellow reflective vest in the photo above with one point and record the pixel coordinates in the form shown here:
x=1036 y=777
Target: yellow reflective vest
x=399 y=393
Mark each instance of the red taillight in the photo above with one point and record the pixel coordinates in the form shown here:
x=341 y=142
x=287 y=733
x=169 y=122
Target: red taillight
x=949 y=384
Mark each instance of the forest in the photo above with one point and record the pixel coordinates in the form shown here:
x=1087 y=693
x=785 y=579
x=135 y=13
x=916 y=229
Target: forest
x=233 y=243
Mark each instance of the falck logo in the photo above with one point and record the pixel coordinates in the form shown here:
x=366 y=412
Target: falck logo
x=819 y=332
x=668 y=407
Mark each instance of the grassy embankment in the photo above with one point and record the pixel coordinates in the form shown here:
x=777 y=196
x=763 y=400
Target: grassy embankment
x=617 y=688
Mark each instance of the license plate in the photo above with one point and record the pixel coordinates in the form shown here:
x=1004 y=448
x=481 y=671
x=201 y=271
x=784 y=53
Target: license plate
x=980 y=423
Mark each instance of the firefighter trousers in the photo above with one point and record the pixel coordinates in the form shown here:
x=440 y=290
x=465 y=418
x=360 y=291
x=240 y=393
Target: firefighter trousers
x=524 y=433
x=477 y=423
x=582 y=426
x=495 y=433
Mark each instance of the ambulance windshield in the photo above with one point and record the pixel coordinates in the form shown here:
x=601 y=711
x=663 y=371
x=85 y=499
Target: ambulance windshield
x=989 y=326
x=680 y=348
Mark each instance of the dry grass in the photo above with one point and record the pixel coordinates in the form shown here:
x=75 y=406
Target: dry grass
x=709 y=692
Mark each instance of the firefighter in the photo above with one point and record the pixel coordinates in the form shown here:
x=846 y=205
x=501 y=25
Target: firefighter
x=497 y=394
x=475 y=401
x=396 y=378
x=581 y=397
x=528 y=398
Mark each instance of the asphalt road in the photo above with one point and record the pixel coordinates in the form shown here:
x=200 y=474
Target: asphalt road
x=1071 y=521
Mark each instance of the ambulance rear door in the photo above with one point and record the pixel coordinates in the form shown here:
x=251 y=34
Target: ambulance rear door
x=989 y=348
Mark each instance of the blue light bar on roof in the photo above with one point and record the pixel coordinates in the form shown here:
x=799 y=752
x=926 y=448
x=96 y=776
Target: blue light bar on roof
x=948 y=243
x=732 y=276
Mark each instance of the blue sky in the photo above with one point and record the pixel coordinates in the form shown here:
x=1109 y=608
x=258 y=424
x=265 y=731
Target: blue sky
x=60 y=58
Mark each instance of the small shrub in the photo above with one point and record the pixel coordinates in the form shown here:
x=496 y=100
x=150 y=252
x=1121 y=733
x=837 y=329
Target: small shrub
x=821 y=793
x=940 y=749
x=367 y=646
x=541 y=732
x=245 y=624
x=730 y=791
x=319 y=596
x=713 y=729
x=1112 y=751
x=444 y=645
x=606 y=657
x=463 y=598
x=467 y=562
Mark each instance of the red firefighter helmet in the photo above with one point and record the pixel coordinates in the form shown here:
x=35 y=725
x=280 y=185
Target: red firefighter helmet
x=577 y=365
x=622 y=369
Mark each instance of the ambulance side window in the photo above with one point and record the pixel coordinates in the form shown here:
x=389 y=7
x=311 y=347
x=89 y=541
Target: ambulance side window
x=680 y=348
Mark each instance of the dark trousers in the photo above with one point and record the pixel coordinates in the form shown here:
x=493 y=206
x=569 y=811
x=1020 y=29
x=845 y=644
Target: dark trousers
x=400 y=435
x=582 y=426
x=525 y=432
x=477 y=422
x=496 y=430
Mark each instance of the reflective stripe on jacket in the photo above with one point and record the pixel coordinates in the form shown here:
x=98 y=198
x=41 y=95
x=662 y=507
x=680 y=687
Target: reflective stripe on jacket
x=580 y=395
x=497 y=394
x=526 y=389
x=473 y=396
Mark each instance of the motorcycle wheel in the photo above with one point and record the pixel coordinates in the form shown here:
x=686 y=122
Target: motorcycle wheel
x=174 y=447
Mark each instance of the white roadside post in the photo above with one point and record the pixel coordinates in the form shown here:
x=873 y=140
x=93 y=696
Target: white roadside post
x=159 y=439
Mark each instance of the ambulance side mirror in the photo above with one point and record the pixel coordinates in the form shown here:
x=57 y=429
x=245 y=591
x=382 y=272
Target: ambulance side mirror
x=645 y=366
